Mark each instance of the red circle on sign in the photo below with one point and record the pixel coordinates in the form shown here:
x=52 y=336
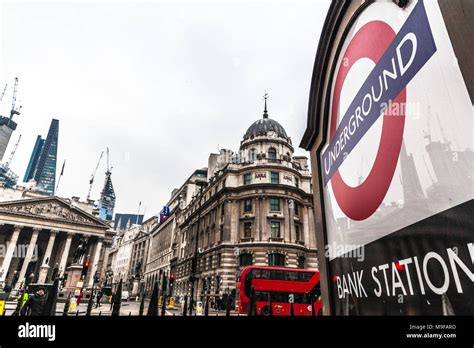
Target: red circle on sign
x=360 y=202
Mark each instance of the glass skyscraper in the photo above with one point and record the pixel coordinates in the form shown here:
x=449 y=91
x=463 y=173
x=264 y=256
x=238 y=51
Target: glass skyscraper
x=42 y=164
x=107 y=198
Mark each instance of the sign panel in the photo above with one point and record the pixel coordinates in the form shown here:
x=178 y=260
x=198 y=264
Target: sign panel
x=397 y=167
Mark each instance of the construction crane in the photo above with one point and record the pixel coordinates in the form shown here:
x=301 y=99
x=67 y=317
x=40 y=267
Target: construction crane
x=91 y=181
x=7 y=164
x=14 y=111
x=4 y=90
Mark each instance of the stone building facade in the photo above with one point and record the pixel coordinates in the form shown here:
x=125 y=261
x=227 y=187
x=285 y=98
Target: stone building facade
x=164 y=244
x=256 y=209
x=49 y=230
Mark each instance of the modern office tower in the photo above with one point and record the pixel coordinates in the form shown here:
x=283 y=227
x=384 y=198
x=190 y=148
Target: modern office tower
x=42 y=164
x=107 y=198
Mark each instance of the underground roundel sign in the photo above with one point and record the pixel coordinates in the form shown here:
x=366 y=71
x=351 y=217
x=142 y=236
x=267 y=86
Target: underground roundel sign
x=396 y=165
x=366 y=123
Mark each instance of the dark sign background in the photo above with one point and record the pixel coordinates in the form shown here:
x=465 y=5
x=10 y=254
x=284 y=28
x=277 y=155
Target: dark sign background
x=449 y=229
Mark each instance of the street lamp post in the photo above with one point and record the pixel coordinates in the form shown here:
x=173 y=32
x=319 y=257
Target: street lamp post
x=15 y=278
x=227 y=301
x=195 y=256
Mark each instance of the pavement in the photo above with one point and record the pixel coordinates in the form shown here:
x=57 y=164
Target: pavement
x=128 y=308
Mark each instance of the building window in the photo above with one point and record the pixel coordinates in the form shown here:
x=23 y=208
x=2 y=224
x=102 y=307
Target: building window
x=219 y=260
x=297 y=182
x=298 y=233
x=301 y=261
x=275 y=177
x=252 y=155
x=221 y=232
x=247 y=229
x=248 y=205
x=297 y=208
x=272 y=153
x=276 y=260
x=246 y=259
x=274 y=204
x=247 y=179
x=275 y=229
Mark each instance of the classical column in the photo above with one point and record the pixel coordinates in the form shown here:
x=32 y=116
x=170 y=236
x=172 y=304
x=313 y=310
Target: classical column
x=65 y=253
x=95 y=262
x=234 y=229
x=29 y=254
x=306 y=228
x=44 y=269
x=257 y=235
x=292 y=232
x=286 y=223
x=9 y=254
x=265 y=221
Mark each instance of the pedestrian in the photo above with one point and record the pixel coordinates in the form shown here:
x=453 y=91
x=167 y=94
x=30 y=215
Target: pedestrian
x=35 y=304
x=99 y=298
x=21 y=300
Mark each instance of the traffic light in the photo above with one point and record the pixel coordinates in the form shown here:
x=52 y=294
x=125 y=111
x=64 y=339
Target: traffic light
x=171 y=280
x=85 y=268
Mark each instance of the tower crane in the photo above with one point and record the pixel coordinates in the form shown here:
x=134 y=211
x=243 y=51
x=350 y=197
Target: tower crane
x=3 y=93
x=7 y=164
x=91 y=180
x=14 y=111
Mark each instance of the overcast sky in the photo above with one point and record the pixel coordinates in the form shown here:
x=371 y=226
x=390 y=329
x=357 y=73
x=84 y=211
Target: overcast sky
x=162 y=84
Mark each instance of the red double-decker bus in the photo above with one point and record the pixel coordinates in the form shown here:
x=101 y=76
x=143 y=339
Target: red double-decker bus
x=280 y=287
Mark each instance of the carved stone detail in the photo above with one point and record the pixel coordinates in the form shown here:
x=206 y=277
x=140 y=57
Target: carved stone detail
x=48 y=210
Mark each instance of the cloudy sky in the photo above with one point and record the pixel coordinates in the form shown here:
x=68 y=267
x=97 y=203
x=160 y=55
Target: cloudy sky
x=162 y=84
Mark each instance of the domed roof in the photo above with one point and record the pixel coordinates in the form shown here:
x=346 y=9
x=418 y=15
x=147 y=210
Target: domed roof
x=263 y=126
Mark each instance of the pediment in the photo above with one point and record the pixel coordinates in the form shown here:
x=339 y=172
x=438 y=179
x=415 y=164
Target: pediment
x=52 y=208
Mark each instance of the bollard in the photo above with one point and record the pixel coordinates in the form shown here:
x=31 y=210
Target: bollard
x=129 y=314
x=142 y=306
x=117 y=302
x=206 y=309
x=163 y=306
x=153 y=304
x=100 y=313
x=77 y=313
x=227 y=307
x=185 y=306
x=270 y=305
x=174 y=314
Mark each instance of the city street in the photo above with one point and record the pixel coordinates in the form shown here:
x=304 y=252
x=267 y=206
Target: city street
x=128 y=308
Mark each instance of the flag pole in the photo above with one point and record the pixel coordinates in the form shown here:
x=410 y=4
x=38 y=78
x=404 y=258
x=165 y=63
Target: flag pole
x=59 y=179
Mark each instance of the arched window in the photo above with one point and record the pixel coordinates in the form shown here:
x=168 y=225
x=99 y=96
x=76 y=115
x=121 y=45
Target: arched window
x=272 y=153
x=276 y=259
x=252 y=155
x=246 y=259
